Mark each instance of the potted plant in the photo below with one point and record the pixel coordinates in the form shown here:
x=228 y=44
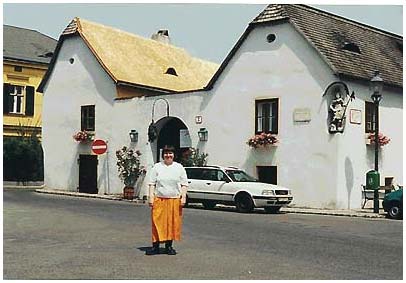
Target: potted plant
x=83 y=136
x=382 y=139
x=128 y=166
x=262 y=140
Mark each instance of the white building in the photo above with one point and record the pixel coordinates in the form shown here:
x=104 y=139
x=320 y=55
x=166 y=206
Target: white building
x=273 y=80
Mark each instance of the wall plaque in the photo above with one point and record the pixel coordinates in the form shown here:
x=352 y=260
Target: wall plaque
x=355 y=116
x=198 y=119
x=301 y=115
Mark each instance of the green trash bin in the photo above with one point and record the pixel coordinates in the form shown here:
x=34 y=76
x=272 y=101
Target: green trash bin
x=372 y=180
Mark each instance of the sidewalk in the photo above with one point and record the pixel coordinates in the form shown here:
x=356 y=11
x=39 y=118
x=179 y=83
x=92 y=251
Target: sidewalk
x=366 y=213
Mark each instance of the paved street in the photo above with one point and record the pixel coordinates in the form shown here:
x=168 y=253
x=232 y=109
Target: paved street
x=61 y=237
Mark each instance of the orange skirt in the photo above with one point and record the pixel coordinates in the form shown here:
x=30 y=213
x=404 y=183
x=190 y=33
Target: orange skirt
x=166 y=215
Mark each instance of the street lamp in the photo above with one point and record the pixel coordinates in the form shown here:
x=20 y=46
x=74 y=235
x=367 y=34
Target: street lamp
x=376 y=86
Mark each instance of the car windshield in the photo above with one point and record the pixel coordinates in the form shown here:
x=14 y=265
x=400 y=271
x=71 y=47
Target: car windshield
x=240 y=176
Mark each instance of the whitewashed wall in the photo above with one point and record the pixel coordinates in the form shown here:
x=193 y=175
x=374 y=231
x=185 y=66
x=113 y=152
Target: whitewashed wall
x=323 y=170
x=69 y=87
x=291 y=70
x=136 y=113
x=355 y=158
x=85 y=83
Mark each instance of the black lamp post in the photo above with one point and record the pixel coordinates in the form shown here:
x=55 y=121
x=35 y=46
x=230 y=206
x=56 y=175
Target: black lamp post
x=376 y=86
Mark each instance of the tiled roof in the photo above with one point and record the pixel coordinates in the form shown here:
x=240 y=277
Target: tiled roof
x=27 y=45
x=137 y=61
x=328 y=33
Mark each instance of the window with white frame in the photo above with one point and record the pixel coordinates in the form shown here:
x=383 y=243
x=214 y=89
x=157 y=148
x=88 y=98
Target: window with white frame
x=266 y=116
x=16 y=100
x=88 y=118
x=370 y=117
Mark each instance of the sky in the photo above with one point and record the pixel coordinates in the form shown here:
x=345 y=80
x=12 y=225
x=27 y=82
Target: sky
x=207 y=31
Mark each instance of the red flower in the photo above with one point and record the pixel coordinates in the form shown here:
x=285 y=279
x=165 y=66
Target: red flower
x=382 y=140
x=262 y=139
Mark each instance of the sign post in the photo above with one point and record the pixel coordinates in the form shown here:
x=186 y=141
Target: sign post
x=100 y=147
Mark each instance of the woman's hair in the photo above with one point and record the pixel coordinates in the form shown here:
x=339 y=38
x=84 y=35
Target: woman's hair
x=168 y=148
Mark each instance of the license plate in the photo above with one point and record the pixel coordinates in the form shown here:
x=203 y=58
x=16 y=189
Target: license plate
x=283 y=199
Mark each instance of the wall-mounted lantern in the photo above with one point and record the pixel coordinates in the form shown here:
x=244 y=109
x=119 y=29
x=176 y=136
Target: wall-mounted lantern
x=203 y=134
x=133 y=136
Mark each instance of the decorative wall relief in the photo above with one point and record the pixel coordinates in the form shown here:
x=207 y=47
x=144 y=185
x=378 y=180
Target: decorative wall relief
x=340 y=98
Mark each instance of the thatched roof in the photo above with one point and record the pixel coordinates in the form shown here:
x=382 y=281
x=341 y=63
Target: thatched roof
x=137 y=61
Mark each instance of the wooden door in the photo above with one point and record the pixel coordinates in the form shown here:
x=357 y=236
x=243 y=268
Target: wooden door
x=88 y=174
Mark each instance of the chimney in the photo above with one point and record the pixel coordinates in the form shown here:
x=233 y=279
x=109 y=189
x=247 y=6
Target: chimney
x=162 y=36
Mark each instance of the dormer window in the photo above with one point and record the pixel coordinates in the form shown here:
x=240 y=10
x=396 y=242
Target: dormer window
x=171 y=71
x=350 y=46
x=400 y=46
x=46 y=55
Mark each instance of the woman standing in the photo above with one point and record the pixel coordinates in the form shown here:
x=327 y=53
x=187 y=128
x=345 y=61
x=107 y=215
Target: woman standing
x=167 y=196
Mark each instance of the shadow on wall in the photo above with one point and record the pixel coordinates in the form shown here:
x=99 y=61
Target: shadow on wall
x=261 y=156
x=138 y=193
x=349 y=179
x=73 y=183
x=370 y=152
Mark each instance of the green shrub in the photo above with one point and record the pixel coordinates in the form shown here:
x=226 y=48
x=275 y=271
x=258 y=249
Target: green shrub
x=22 y=159
x=193 y=157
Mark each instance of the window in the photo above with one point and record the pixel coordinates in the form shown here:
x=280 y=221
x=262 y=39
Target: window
x=266 y=113
x=240 y=176
x=208 y=174
x=399 y=44
x=87 y=118
x=268 y=174
x=14 y=97
x=171 y=71
x=194 y=173
x=350 y=46
x=271 y=37
x=16 y=100
x=370 y=117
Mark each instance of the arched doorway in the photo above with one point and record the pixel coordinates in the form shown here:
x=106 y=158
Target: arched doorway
x=169 y=133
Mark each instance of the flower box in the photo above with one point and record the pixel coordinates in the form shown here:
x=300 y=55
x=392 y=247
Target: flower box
x=83 y=136
x=262 y=140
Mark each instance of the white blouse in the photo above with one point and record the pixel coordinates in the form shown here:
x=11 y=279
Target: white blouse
x=168 y=179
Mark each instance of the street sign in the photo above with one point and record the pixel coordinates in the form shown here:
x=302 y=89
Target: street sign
x=99 y=146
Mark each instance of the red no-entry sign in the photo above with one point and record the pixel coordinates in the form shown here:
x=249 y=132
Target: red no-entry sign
x=99 y=146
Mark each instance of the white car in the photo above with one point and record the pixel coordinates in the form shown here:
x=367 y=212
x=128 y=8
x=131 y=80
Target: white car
x=229 y=185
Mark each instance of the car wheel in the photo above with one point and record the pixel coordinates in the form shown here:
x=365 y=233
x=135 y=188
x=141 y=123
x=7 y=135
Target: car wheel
x=209 y=204
x=394 y=211
x=272 y=209
x=244 y=203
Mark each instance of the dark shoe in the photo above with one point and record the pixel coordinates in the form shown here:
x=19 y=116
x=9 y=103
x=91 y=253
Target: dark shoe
x=170 y=251
x=168 y=248
x=154 y=250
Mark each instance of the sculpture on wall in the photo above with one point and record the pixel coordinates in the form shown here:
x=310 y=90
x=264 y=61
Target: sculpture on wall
x=338 y=106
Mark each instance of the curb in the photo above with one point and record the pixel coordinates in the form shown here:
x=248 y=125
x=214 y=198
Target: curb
x=10 y=187
x=284 y=209
x=76 y=194
x=335 y=213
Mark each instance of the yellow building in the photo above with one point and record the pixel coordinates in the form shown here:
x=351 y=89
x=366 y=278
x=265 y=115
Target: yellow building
x=26 y=56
